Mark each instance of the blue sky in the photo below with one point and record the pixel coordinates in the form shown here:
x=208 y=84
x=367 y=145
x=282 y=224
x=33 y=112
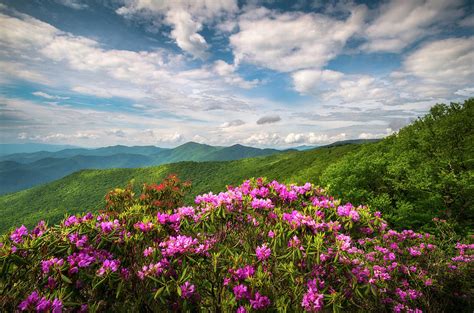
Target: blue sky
x=259 y=73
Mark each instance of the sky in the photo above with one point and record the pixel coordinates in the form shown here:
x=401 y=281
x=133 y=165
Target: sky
x=221 y=72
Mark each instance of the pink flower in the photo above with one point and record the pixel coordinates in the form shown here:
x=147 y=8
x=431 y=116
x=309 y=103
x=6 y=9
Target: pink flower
x=43 y=305
x=148 y=251
x=144 y=227
x=57 y=306
x=271 y=234
x=187 y=290
x=108 y=266
x=241 y=309
x=29 y=302
x=240 y=292
x=17 y=234
x=259 y=301
x=312 y=301
x=79 y=242
x=245 y=272
x=263 y=252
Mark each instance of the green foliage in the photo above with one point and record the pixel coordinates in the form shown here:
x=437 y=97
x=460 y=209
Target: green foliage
x=423 y=171
x=83 y=191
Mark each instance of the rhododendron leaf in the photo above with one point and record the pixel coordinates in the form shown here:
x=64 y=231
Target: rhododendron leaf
x=66 y=279
x=158 y=292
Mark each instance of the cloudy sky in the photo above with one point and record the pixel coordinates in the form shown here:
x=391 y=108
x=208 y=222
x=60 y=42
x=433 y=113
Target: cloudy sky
x=259 y=73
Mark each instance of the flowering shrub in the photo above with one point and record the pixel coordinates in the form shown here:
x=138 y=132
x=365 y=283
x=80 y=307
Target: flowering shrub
x=256 y=247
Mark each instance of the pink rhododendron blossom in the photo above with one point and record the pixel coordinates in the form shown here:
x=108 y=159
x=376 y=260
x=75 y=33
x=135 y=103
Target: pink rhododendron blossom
x=263 y=252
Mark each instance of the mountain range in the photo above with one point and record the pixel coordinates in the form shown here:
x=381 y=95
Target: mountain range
x=84 y=190
x=24 y=170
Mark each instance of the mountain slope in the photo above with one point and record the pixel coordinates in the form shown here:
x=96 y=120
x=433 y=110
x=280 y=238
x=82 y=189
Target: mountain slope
x=84 y=190
x=28 y=170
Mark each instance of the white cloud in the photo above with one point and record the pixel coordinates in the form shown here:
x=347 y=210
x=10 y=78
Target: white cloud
x=48 y=96
x=185 y=16
x=73 y=4
x=228 y=73
x=400 y=23
x=305 y=81
x=19 y=71
x=328 y=85
x=365 y=135
x=437 y=69
x=233 y=123
x=293 y=40
x=275 y=139
x=444 y=61
x=466 y=92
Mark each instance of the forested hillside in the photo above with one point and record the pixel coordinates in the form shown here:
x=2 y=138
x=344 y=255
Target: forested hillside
x=85 y=190
x=423 y=171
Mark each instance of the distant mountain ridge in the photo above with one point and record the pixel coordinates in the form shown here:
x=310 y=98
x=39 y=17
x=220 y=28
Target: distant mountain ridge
x=24 y=170
x=11 y=148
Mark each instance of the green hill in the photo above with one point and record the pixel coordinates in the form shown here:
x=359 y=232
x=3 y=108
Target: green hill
x=84 y=190
x=25 y=170
x=426 y=170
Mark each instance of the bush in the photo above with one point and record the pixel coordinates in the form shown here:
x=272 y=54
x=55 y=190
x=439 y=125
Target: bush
x=259 y=246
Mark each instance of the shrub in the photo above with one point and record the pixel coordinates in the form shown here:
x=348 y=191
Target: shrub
x=259 y=246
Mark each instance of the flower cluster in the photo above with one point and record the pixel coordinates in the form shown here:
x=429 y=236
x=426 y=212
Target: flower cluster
x=258 y=246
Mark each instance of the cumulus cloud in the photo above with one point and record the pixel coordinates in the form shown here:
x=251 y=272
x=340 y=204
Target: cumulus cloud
x=275 y=139
x=269 y=119
x=233 y=123
x=400 y=23
x=185 y=16
x=437 y=69
x=306 y=81
x=159 y=137
x=48 y=96
x=294 y=40
x=328 y=84
x=449 y=60
x=117 y=132
x=228 y=73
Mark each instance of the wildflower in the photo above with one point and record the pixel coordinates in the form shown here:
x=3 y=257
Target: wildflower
x=263 y=252
x=43 y=305
x=27 y=304
x=144 y=227
x=245 y=272
x=108 y=266
x=240 y=292
x=47 y=264
x=39 y=230
x=78 y=242
x=241 y=309
x=271 y=234
x=57 y=306
x=148 y=251
x=17 y=234
x=259 y=301
x=312 y=301
x=187 y=290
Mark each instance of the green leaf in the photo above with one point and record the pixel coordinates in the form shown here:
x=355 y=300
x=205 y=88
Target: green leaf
x=66 y=279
